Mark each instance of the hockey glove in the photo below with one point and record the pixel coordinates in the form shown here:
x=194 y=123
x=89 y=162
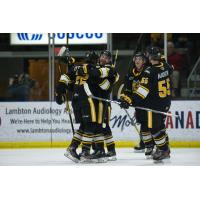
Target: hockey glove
x=61 y=88
x=60 y=93
x=81 y=70
x=124 y=104
x=112 y=73
x=125 y=101
x=60 y=98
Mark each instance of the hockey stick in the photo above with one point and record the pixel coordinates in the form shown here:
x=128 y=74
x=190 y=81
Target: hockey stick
x=115 y=61
x=66 y=96
x=132 y=121
x=137 y=107
x=89 y=94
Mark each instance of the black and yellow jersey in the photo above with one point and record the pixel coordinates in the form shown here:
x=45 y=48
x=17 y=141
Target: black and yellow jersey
x=102 y=80
x=132 y=80
x=154 y=90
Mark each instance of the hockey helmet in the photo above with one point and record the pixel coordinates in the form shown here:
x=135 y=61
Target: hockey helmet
x=154 y=53
x=91 y=57
x=107 y=53
x=140 y=54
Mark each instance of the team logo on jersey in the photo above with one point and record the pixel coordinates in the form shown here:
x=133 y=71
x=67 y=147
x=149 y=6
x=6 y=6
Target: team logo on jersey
x=135 y=85
x=144 y=80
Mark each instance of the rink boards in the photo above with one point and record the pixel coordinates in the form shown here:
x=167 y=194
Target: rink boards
x=46 y=124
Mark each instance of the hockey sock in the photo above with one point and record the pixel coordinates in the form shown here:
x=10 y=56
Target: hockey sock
x=141 y=144
x=86 y=146
x=110 y=144
x=93 y=146
x=76 y=140
x=87 y=139
x=147 y=139
x=160 y=140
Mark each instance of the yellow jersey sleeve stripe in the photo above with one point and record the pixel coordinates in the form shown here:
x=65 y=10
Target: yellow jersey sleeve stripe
x=104 y=72
x=143 y=91
x=105 y=85
x=139 y=94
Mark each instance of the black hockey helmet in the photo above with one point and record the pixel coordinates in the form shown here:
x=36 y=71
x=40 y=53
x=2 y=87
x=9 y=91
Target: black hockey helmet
x=91 y=57
x=107 y=53
x=154 y=53
x=140 y=54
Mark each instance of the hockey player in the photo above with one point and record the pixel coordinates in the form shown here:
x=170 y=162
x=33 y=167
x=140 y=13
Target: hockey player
x=83 y=106
x=104 y=89
x=102 y=86
x=155 y=92
x=131 y=84
x=156 y=50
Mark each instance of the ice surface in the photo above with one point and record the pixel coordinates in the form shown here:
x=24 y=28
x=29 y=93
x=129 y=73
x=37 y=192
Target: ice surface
x=125 y=157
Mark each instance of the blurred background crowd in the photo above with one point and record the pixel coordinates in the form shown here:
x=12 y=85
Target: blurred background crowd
x=24 y=69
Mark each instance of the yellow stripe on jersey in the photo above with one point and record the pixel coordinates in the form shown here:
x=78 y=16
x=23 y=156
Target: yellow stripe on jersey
x=139 y=94
x=149 y=119
x=164 y=136
x=116 y=78
x=87 y=135
x=104 y=72
x=161 y=65
x=105 y=85
x=142 y=91
x=60 y=81
x=100 y=112
x=92 y=109
x=109 y=113
x=85 y=68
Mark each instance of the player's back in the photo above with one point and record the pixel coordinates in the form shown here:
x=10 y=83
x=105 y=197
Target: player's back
x=160 y=87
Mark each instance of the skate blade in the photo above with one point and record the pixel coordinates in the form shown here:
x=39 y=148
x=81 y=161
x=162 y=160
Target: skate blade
x=163 y=161
x=85 y=161
x=71 y=157
x=99 y=160
x=139 y=151
x=113 y=158
x=102 y=160
x=149 y=157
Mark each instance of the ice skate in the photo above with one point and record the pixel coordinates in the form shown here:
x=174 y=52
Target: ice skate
x=139 y=149
x=98 y=157
x=84 y=156
x=161 y=155
x=72 y=155
x=111 y=155
x=149 y=152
